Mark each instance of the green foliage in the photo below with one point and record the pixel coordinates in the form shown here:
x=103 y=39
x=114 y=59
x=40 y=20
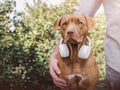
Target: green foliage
x=98 y=44
x=97 y=36
x=25 y=52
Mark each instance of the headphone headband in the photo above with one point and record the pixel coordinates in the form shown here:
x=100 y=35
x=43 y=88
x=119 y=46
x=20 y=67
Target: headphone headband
x=61 y=41
x=89 y=41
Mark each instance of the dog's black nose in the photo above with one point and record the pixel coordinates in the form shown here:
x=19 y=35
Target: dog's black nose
x=70 y=33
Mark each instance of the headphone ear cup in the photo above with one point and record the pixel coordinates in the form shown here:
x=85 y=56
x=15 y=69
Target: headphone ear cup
x=63 y=50
x=84 y=52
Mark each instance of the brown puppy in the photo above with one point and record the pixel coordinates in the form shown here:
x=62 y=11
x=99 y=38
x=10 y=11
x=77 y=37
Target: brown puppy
x=79 y=74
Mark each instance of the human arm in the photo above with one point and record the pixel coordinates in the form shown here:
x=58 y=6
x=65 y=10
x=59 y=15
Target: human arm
x=89 y=7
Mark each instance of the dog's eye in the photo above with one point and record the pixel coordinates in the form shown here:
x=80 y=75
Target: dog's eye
x=79 y=22
x=64 y=23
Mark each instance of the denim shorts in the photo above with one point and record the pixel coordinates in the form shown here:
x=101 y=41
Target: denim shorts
x=113 y=78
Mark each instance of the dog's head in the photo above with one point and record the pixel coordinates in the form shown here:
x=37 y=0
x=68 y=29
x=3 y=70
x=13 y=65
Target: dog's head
x=74 y=27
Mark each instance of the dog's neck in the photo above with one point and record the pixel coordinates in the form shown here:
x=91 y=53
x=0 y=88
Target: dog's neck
x=73 y=50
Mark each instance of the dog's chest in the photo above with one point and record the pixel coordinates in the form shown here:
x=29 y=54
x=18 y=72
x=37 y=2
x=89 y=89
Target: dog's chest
x=71 y=65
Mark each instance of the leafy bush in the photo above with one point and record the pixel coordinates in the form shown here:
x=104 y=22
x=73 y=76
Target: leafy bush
x=25 y=51
x=97 y=37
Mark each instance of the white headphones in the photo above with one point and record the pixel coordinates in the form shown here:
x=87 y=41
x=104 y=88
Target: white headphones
x=83 y=53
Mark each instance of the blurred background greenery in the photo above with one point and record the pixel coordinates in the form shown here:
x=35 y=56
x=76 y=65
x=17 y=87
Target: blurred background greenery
x=27 y=40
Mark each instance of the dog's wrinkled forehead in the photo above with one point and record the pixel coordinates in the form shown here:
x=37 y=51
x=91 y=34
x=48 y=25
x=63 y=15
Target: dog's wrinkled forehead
x=66 y=19
x=77 y=19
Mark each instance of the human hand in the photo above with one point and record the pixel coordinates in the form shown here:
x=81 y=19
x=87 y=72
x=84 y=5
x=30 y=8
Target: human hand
x=54 y=71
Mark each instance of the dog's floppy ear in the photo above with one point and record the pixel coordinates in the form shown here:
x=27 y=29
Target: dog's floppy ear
x=90 y=22
x=56 y=24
